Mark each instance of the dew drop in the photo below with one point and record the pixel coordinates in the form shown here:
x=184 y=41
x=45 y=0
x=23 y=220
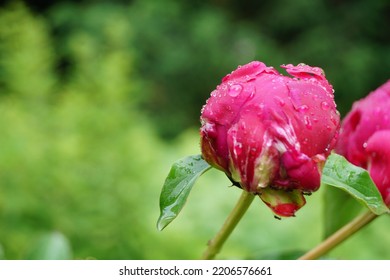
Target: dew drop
x=303 y=108
x=256 y=64
x=238 y=149
x=250 y=78
x=365 y=145
x=235 y=90
x=308 y=123
x=325 y=105
x=280 y=101
x=226 y=78
x=334 y=121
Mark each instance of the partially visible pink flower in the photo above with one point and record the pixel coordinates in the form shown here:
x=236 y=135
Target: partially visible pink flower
x=365 y=137
x=271 y=133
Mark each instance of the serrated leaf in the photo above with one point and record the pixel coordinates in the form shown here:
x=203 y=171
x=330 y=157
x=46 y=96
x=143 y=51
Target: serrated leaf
x=356 y=181
x=177 y=186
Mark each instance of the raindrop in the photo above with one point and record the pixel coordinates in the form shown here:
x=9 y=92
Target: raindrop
x=235 y=90
x=308 y=122
x=334 y=121
x=365 y=145
x=303 y=108
x=256 y=64
x=325 y=105
x=226 y=78
x=238 y=149
x=280 y=101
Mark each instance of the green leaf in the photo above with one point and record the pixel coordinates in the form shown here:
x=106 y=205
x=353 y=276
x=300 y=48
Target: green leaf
x=339 y=209
x=177 y=187
x=356 y=181
x=51 y=246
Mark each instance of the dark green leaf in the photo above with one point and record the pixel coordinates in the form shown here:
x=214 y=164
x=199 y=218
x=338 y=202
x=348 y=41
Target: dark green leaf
x=177 y=187
x=356 y=181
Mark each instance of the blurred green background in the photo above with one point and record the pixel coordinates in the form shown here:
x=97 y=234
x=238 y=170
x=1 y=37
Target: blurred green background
x=99 y=98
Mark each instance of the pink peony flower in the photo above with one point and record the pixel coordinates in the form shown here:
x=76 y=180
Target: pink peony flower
x=365 y=137
x=271 y=133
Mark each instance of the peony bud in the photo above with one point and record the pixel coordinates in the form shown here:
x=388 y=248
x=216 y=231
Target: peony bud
x=271 y=133
x=365 y=137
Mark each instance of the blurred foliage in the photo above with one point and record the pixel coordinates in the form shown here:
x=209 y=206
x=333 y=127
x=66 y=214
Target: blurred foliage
x=99 y=98
x=50 y=246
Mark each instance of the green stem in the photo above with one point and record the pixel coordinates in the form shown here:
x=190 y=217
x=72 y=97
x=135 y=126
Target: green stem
x=215 y=245
x=339 y=236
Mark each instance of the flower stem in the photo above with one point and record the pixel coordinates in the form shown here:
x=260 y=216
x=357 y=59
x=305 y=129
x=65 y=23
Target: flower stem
x=339 y=236
x=215 y=244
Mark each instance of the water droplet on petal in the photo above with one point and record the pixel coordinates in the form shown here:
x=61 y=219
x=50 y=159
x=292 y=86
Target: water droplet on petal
x=308 y=123
x=226 y=78
x=280 y=101
x=250 y=78
x=325 y=105
x=256 y=64
x=365 y=145
x=334 y=121
x=238 y=149
x=303 y=108
x=327 y=149
x=235 y=90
